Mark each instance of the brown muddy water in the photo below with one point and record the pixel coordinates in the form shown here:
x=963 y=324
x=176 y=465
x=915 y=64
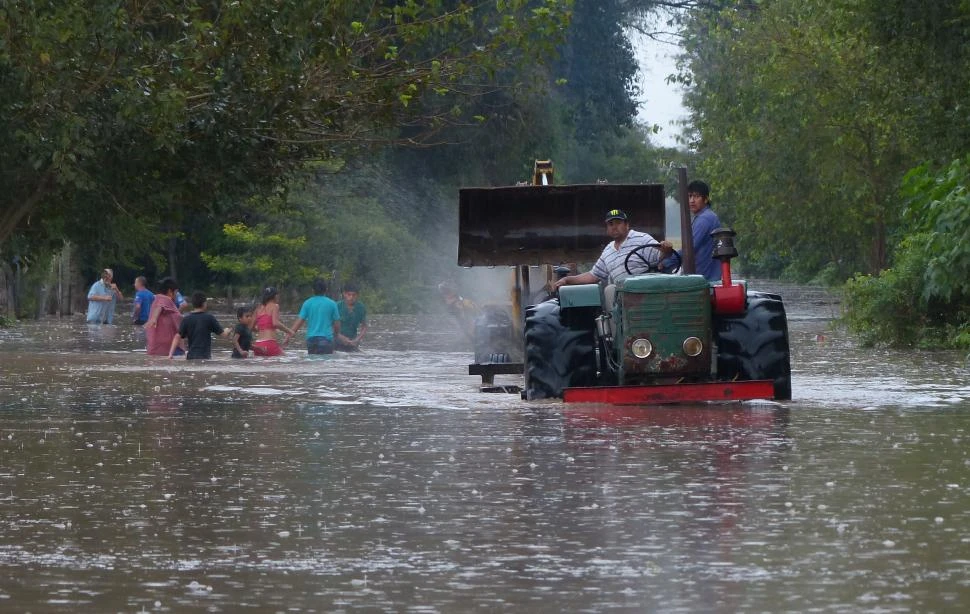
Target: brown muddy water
x=384 y=481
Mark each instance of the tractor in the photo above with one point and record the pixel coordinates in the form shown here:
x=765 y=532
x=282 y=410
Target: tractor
x=649 y=338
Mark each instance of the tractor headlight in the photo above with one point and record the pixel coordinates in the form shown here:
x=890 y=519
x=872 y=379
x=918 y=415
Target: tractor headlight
x=693 y=346
x=641 y=348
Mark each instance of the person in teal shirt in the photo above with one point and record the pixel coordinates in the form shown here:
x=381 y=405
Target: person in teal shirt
x=320 y=314
x=353 y=320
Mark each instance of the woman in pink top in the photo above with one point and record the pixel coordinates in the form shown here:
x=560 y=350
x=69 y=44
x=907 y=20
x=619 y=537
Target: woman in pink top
x=163 y=320
x=265 y=322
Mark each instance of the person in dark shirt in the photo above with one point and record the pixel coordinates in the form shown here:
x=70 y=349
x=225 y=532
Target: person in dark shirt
x=242 y=340
x=196 y=328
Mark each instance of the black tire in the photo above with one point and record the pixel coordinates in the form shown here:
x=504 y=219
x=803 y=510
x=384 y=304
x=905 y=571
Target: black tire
x=556 y=357
x=755 y=345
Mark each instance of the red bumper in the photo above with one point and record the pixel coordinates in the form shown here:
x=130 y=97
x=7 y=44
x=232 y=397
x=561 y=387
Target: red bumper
x=672 y=393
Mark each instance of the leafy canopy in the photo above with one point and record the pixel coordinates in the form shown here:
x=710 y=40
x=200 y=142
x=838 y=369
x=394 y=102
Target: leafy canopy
x=135 y=114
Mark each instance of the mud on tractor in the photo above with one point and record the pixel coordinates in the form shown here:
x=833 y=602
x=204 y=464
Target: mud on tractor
x=648 y=338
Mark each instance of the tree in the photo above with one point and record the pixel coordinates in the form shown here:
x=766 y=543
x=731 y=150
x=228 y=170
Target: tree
x=924 y=298
x=599 y=69
x=257 y=255
x=813 y=107
x=132 y=114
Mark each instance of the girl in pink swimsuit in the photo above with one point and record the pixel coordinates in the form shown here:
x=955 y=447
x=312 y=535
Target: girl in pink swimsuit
x=265 y=323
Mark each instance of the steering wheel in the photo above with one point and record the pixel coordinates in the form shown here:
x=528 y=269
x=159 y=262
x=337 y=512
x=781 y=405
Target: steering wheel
x=638 y=253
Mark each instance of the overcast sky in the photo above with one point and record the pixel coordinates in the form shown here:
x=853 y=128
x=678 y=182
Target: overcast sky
x=660 y=102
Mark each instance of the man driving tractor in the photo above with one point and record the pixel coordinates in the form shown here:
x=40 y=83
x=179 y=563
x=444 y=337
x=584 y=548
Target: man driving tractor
x=616 y=262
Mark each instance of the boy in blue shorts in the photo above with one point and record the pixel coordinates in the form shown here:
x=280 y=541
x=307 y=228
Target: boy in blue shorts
x=322 y=318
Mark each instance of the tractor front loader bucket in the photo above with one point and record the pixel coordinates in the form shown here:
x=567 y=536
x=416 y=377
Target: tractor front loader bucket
x=536 y=225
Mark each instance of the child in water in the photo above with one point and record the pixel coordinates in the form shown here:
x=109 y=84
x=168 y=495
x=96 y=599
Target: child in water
x=196 y=328
x=242 y=340
x=266 y=319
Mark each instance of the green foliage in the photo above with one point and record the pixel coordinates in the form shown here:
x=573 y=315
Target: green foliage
x=924 y=299
x=259 y=256
x=939 y=204
x=887 y=309
x=368 y=224
x=598 y=64
x=136 y=115
x=813 y=110
x=624 y=156
x=246 y=137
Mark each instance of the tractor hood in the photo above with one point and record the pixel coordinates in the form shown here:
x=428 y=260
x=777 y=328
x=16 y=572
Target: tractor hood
x=534 y=225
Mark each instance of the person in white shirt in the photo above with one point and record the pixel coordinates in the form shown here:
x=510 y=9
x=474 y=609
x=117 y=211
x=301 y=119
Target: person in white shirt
x=611 y=266
x=102 y=297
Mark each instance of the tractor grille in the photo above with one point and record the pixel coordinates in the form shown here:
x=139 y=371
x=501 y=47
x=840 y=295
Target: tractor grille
x=666 y=319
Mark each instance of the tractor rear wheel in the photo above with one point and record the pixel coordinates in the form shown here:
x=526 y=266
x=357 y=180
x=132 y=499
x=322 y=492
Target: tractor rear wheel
x=556 y=357
x=755 y=345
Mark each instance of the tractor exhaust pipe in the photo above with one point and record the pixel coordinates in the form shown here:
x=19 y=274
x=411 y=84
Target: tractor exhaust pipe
x=729 y=298
x=724 y=250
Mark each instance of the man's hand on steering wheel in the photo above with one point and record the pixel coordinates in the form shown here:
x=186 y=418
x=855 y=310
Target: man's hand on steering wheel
x=640 y=259
x=663 y=249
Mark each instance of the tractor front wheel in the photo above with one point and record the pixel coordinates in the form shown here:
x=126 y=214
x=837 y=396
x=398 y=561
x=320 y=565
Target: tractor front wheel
x=754 y=346
x=556 y=357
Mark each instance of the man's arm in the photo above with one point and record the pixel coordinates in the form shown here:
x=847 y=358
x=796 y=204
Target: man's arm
x=297 y=325
x=703 y=226
x=575 y=280
x=93 y=294
x=219 y=329
x=670 y=262
x=362 y=325
x=153 y=313
x=175 y=343
x=335 y=327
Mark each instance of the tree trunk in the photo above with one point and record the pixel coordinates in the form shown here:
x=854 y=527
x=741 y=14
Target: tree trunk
x=77 y=286
x=64 y=275
x=6 y=291
x=879 y=247
x=171 y=258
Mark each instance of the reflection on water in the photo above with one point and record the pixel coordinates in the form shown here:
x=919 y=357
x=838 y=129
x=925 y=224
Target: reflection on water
x=384 y=481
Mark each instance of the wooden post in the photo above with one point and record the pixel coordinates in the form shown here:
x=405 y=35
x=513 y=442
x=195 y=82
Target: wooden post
x=687 y=235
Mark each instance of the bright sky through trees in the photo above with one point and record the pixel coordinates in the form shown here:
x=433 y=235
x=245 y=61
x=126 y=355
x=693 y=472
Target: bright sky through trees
x=660 y=102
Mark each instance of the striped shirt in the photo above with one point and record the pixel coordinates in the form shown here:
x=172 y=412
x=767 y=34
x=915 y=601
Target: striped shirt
x=610 y=267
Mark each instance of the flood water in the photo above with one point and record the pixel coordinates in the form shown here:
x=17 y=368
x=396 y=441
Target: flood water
x=384 y=481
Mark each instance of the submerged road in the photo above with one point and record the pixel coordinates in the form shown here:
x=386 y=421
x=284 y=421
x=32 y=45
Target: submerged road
x=384 y=481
